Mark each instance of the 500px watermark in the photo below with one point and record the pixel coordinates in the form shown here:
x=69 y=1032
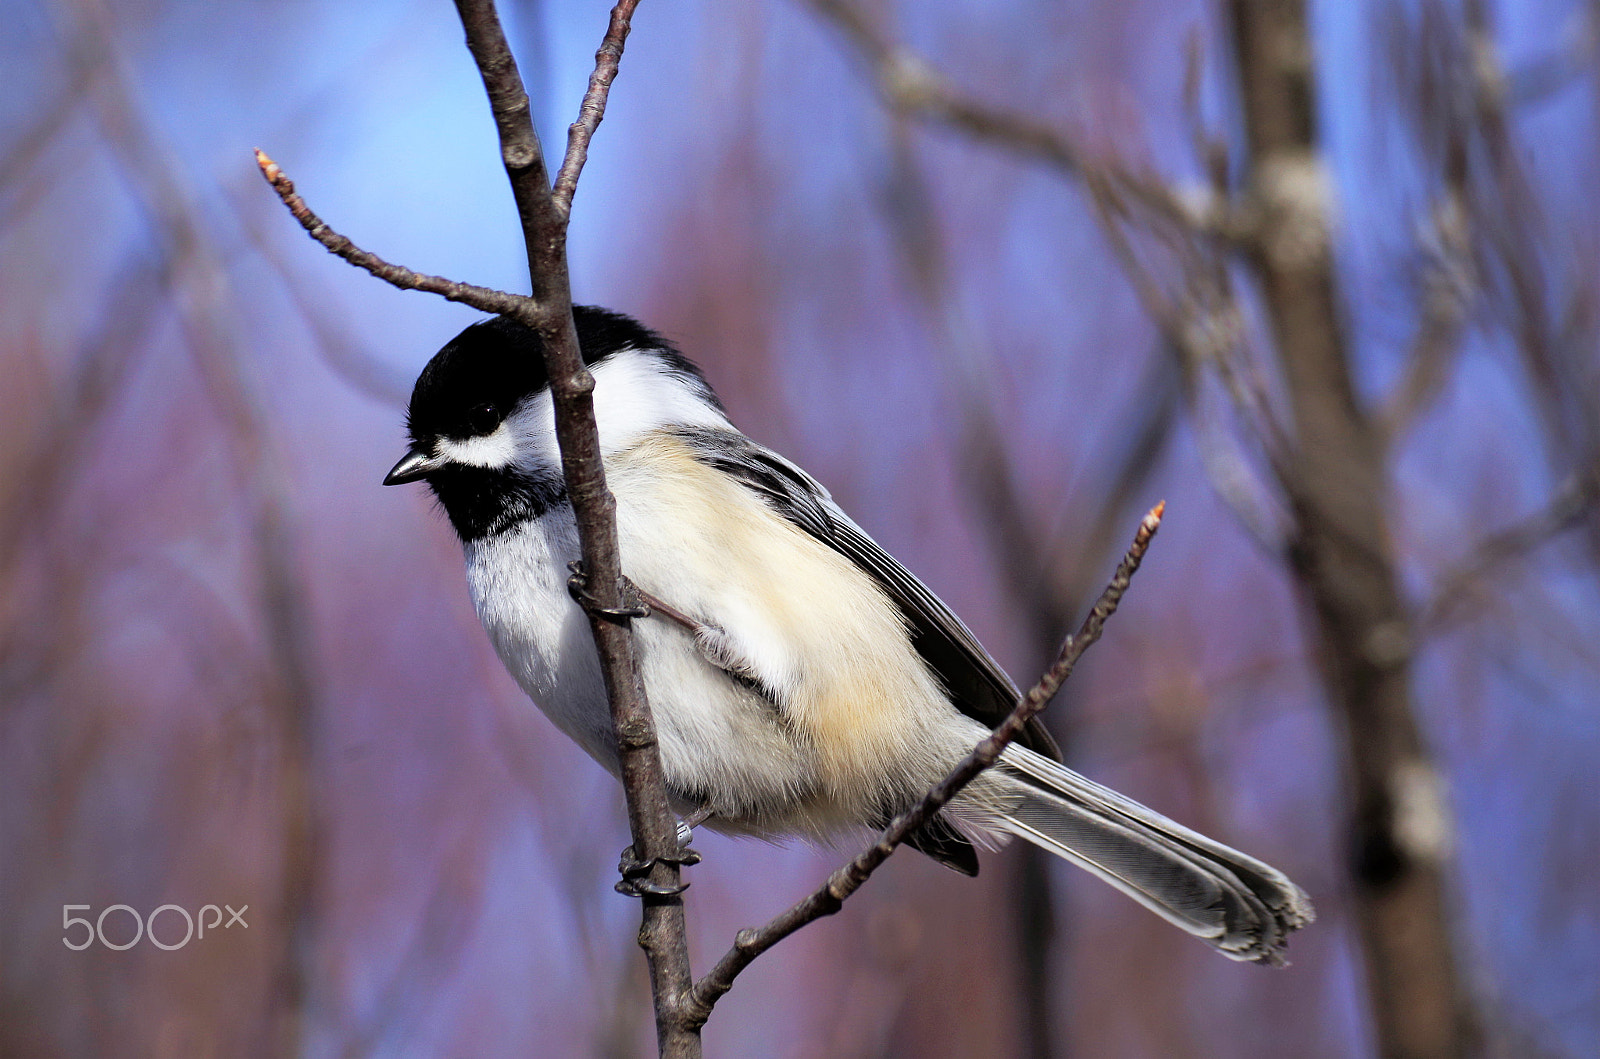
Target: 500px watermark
x=145 y=926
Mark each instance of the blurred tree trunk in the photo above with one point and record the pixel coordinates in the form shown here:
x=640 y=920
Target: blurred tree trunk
x=1341 y=556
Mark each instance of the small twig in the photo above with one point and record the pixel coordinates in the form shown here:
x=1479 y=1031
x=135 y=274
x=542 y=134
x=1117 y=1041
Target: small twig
x=1435 y=348
x=485 y=298
x=1210 y=152
x=827 y=900
x=1450 y=280
x=1201 y=327
x=593 y=109
x=1563 y=511
x=912 y=87
x=48 y=120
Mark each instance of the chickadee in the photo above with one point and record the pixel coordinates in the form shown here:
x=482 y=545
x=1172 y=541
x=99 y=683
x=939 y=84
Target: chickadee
x=808 y=682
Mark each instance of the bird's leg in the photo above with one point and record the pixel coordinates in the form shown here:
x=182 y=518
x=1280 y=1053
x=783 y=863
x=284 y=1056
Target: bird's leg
x=717 y=648
x=712 y=641
x=637 y=603
x=687 y=825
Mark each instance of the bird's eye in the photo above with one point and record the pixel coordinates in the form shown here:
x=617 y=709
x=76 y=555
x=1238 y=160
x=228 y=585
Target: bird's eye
x=483 y=418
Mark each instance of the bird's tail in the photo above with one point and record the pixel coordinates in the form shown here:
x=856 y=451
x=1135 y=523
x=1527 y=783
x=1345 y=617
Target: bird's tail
x=1242 y=907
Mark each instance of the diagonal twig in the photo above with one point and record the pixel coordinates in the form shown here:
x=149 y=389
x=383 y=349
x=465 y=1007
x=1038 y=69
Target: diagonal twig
x=485 y=298
x=1565 y=509
x=830 y=897
x=911 y=87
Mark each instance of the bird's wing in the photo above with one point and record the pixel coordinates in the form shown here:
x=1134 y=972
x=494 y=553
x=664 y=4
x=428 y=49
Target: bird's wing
x=977 y=686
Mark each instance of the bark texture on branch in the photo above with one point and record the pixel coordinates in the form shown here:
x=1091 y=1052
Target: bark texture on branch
x=663 y=933
x=1341 y=555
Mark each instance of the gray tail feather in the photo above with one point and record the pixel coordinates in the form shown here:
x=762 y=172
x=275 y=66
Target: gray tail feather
x=1242 y=907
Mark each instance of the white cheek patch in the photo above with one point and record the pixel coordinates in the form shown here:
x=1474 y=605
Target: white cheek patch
x=493 y=451
x=634 y=394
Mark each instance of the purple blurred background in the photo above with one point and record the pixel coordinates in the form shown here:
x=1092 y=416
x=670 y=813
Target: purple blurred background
x=234 y=670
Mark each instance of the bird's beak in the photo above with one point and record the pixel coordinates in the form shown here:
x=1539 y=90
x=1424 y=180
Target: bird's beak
x=414 y=466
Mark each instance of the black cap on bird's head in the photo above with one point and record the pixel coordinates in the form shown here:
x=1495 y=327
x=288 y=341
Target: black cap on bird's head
x=470 y=387
x=467 y=390
x=486 y=371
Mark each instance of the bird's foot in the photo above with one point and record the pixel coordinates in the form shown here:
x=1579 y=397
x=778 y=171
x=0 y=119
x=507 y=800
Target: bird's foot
x=636 y=602
x=633 y=603
x=635 y=881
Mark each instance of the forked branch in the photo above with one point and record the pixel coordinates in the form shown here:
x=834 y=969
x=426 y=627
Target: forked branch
x=593 y=110
x=681 y=1004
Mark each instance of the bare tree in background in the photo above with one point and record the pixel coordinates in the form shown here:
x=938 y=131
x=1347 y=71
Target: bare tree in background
x=1322 y=498
x=1339 y=546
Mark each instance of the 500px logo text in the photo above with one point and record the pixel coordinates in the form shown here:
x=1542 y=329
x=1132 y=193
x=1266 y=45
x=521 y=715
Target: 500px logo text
x=146 y=927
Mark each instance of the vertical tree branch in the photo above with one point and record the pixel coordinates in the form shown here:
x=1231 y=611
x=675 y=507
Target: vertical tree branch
x=663 y=934
x=1340 y=552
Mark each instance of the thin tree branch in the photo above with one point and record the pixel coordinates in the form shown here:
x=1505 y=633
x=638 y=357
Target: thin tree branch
x=48 y=121
x=1564 y=510
x=485 y=298
x=1202 y=327
x=912 y=87
x=1443 y=88
x=1551 y=314
x=1546 y=75
x=828 y=899
x=593 y=109
x=1437 y=343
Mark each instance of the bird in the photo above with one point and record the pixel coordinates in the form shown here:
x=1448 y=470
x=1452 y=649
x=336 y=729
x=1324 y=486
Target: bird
x=803 y=682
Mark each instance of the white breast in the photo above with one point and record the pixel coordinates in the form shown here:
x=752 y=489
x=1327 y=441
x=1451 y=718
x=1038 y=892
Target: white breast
x=719 y=742
x=518 y=582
